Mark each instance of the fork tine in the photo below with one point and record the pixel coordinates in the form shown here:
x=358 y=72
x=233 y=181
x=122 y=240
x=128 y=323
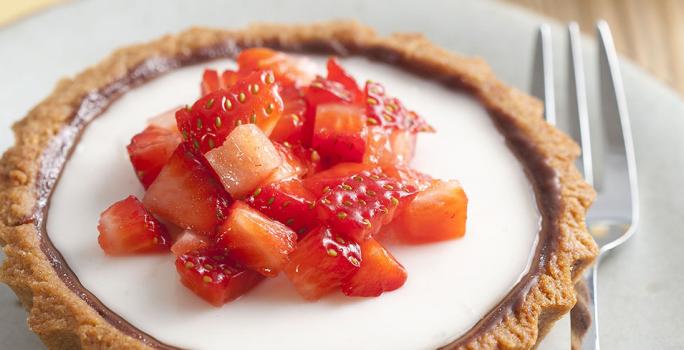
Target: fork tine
x=578 y=94
x=614 y=109
x=542 y=81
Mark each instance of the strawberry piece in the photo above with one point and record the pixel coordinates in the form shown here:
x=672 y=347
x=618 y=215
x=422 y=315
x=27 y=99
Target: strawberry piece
x=252 y=100
x=245 y=160
x=358 y=206
x=214 y=277
x=255 y=241
x=289 y=127
x=127 y=227
x=389 y=146
x=379 y=272
x=321 y=262
x=187 y=193
x=330 y=177
x=436 y=214
x=288 y=202
x=149 y=151
x=322 y=91
x=340 y=75
x=288 y=69
x=291 y=167
x=389 y=112
x=188 y=241
x=309 y=157
x=211 y=81
x=339 y=134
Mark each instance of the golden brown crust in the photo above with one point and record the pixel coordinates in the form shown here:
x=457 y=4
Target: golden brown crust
x=65 y=321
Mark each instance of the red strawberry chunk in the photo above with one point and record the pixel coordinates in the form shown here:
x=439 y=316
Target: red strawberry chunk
x=189 y=241
x=252 y=100
x=149 y=151
x=339 y=134
x=211 y=81
x=379 y=272
x=187 y=193
x=436 y=214
x=340 y=75
x=331 y=177
x=322 y=91
x=127 y=227
x=214 y=277
x=389 y=146
x=291 y=167
x=255 y=241
x=389 y=112
x=288 y=202
x=289 y=127
x=358 y=206
x=321 y=262
x=288 y=69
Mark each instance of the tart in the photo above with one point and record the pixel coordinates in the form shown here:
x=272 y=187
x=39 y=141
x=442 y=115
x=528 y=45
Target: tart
x=501 y=286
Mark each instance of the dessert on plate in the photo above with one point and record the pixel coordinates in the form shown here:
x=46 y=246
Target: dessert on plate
x=296 y=185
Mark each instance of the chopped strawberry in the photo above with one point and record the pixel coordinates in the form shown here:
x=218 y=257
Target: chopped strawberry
x=127 y=227
x=340 y=75
x=245 y=160
x=389 y=112
x=409 y=176
x=187 y=193
x=322 y=91
x=379 y=272
x=214 y=277
x=321 y=262
x=357 y=206
x=289 y=127
x=287 y=68
x=436 y=214
x=309 y=157
x=339 y=134
x=330 y=177
x=389 y=146
x=252 y=100
x=149 y=151
x=291 y=167
x=288 y=202
x=188 y=241
x=256 y=241
x=211 y=81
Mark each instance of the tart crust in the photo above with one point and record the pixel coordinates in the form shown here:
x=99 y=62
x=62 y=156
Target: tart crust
x=64 y=320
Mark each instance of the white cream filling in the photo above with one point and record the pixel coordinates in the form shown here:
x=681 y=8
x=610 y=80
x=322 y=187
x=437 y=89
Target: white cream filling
x=450 y=286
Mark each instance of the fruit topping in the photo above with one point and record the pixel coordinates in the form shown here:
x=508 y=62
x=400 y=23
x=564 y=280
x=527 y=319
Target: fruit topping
x=187 y=192
x=256 y=241
x=436 y=214
x=379 y=272
x=339 y=134
x=321 y=262
x=149 y=151
x=288 y=202
x=245 y=159
x=252 y=100
x=214 y=277
x=127 y=227
x=275 y=169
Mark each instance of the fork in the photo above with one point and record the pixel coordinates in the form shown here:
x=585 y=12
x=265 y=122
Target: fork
x=607 y=160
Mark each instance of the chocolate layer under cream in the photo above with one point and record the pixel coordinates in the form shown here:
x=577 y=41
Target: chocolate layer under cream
x=541 y=175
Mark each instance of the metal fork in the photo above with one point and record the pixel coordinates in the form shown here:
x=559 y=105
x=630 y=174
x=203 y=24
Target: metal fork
x=607 y=159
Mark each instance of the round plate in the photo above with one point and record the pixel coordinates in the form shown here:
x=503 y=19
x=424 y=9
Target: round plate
x=642 y=278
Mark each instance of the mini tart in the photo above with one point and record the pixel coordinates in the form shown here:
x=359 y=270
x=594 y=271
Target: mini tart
x=65 y=315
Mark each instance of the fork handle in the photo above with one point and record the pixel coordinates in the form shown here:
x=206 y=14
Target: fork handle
x=590 y=341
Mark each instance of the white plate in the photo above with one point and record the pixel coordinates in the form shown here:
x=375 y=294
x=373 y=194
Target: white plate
x=640 y=284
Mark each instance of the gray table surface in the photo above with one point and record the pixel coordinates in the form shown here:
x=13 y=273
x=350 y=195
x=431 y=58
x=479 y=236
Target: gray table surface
x=640 y=284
